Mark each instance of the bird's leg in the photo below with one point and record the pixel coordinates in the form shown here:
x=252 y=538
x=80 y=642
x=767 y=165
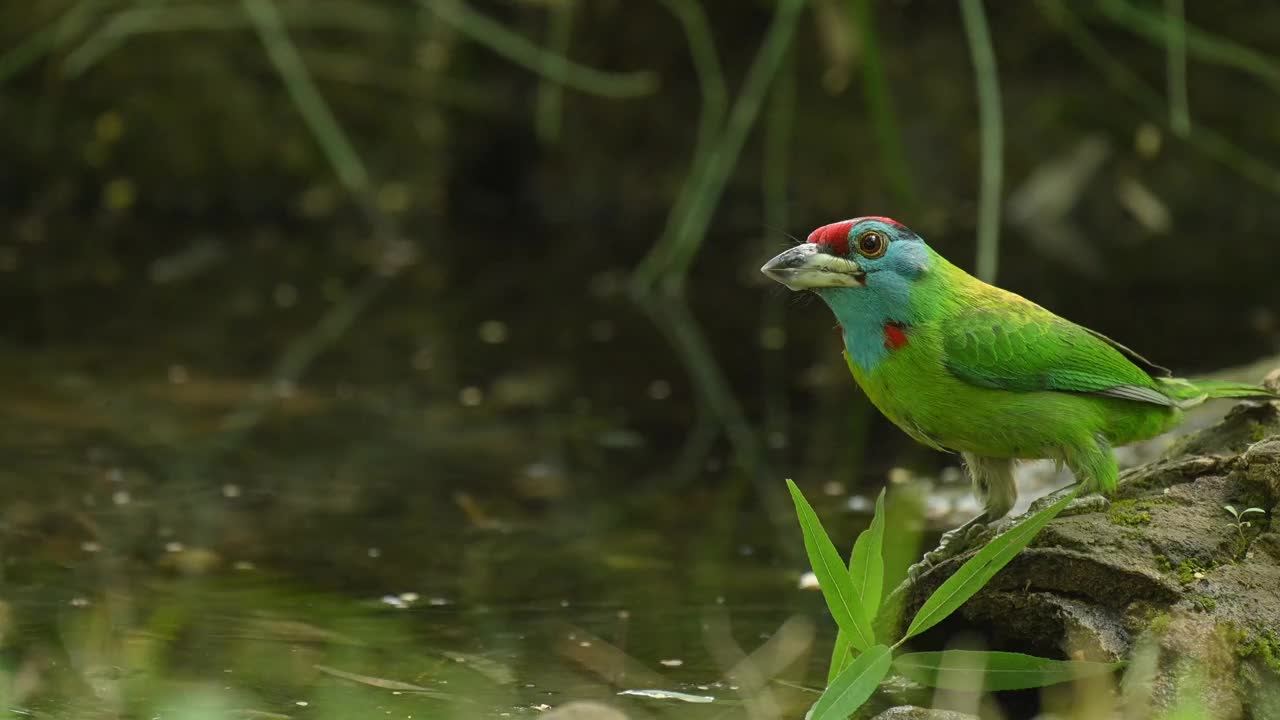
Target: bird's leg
x=1094 y=465
x=992 y=480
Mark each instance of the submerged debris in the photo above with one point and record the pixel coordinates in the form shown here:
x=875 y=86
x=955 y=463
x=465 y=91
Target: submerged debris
x=669 y=695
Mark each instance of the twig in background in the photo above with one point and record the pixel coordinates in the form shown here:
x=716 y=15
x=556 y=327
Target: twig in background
x=1125 y=81
x=670 y=313
x=550 y=102
x=45 y=40
x=315 y=111
x=147 y=18
x=351 y=171
x=778 y=126
x=1176 y=67
x=524 y=53
x=715 y=101
x=687 y=224
x=708 y=185
x=880 y=104
x=301 y=353
x=990 y=117
x=1205 y=46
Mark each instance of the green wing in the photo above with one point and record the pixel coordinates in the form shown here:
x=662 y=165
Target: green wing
x=1024 y=348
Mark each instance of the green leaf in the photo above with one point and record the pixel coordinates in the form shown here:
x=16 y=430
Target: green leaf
x=852 y=687
x=1253 y=510
x=991 y=671
x=866 y=566
x=866 y=572
x=983 y=566
x=833 y=577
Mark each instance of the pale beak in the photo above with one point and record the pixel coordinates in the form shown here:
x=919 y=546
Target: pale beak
x=807 y=267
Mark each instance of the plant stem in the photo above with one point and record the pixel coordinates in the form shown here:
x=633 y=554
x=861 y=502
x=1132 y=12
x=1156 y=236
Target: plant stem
x=1176 y=65
x=992 y=129
x=880 y=104
x=550 y=102
x=524 y=53
x=315 y=111
x=709 y=184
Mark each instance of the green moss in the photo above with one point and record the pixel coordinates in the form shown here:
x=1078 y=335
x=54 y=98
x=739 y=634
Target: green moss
x=1204 y=603
x=1160 y=623
x=1163 y=564
x=1264 y=646
x=1257 y=432
x=1130 y=512
x=1188 y=568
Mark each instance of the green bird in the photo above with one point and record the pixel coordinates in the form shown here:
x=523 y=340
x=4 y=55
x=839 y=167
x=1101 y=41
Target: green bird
x=963 y=366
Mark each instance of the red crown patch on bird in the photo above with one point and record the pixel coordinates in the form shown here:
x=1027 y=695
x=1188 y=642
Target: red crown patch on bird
x=835 y=236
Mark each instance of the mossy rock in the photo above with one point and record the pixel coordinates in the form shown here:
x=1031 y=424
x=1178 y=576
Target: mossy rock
x=1164 y=564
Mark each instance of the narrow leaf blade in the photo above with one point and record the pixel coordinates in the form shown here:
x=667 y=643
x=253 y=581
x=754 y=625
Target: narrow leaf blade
x=833 y=577
x=979 y=569
x=866 y=572
x=840 y=657
x=992 y=671
x=866 y=566
x=853 y=686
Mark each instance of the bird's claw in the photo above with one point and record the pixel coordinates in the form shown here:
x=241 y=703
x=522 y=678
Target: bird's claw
x=953 y=543
x=974 y=534
x=1083 y=505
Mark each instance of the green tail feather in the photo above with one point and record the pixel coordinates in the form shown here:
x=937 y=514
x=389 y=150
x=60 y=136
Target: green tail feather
x=1190 y=393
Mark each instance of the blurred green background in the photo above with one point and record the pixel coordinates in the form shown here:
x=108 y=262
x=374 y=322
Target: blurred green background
x=349 y=343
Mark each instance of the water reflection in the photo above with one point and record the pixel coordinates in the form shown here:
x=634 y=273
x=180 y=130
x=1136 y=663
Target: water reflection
x=318 y=568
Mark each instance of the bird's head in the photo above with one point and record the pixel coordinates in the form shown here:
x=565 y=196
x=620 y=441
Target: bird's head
x=859 y=255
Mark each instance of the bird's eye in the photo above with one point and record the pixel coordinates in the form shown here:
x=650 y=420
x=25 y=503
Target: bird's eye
x=872 y=244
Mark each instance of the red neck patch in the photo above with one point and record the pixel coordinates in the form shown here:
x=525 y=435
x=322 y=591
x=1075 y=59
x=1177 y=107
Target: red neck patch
x=895 y=336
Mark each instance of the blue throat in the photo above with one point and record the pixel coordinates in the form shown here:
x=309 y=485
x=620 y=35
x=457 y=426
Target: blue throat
x=863 y=312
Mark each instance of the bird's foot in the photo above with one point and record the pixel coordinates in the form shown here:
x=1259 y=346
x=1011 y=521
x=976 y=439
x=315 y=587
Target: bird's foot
x=975 y=533
x=956 y=542
x=1083 y=505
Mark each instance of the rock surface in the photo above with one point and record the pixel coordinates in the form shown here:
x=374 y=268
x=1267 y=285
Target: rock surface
x=913 y=712
x=1165 y=574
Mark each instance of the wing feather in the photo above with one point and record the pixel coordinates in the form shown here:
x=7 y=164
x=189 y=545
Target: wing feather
x=1021 y=347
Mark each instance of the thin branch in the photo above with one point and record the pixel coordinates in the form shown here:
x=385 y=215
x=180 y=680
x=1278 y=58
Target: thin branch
x=122 y=26
x=550 y=103
x=1205 y=46
x=779 y=123
x=1125 y=81
x=1176 y=64
x=519 y=50
x=311 y=104
x=880 y=105
x=709 y=184
x=715 y=101
x=47 y=39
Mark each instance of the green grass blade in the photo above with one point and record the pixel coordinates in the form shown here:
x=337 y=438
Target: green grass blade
x=866 y=572
x=974 y=574
x=993 y=671
x=833 y=577
x=853 y=686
